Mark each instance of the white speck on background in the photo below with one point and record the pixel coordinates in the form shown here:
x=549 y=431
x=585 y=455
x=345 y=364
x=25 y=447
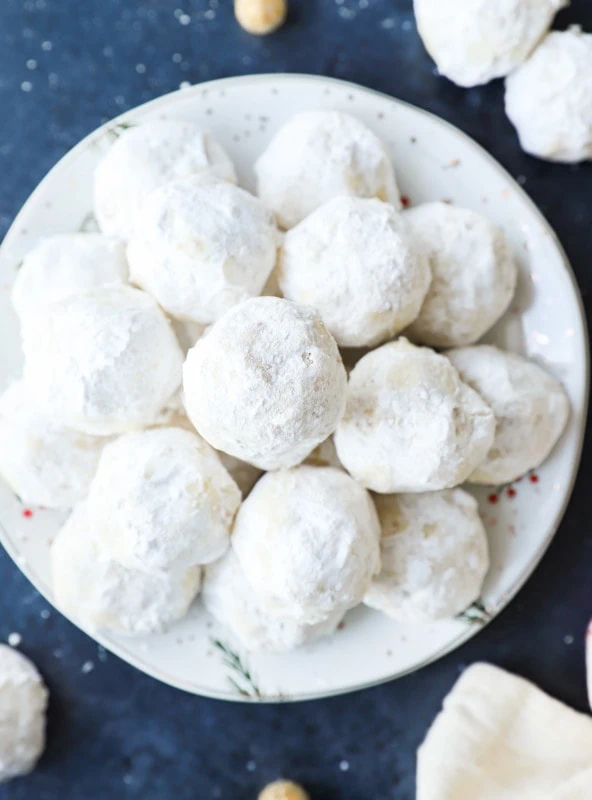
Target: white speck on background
x=363 y=4
x=346 y=13
x=120 y=100
x=31 y=64
x=87 y=667
x=14 y=639
x=47 y=46
x=521 y=179
x=407 y=25
x=177 y=58
x=568 y=639
x=184 y=19
x=210 y=14
x=127 y=779
x=58 y=652
x=388 y=23
x=27 y=33
x=53 y=80
x=45 y=614
x=251 y=766
x=140 y=68
x=26 y=86
x=344 y=765
x=107 y=51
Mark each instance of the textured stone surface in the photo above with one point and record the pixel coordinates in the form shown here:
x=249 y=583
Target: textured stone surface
x=67 y=66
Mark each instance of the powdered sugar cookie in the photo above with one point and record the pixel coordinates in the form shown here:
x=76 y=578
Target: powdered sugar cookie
x=434 y=555
x=281 y=391
x=199 y=250
x=352 y=261
x=230 y=598
x=319 y=155
x=411 y=424
x=549 y=98
x=474 y=41
x=102 y=595
x=150 y=155
x=307 y=540
x=164 y=500
x=23 y=700
x=66 y=264
x=103 y=361
x=473 y=274
x=44 y=463
x=531 y=410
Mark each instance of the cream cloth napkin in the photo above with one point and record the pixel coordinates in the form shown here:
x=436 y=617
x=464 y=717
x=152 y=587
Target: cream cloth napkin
x=498 y=737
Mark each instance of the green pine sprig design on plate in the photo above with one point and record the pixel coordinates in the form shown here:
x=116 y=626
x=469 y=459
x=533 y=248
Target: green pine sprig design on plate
x=476 y=614
x=243 y=683
x=115 y=131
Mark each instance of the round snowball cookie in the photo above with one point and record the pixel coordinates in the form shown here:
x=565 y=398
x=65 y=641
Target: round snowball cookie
x=199 y=250
x=319 y=155
x=266 y=384
x=102 y=362
x=164 y=500
x=473 y=274
x=103 y=595
x=23 y=701
x=352 y=261
x=411 y=424
x=230 y=598
x=475 y=41
x=44 y=463
x=66 y=264
x=531 y=410
x=307 y=539
x=434 y=555
x=549 y=98
x=147 y=156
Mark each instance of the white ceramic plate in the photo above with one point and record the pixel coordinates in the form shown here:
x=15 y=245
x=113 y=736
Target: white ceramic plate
x=434 y=161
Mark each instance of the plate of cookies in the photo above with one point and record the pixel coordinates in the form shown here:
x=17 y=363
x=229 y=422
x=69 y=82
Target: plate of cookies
x=293 y=386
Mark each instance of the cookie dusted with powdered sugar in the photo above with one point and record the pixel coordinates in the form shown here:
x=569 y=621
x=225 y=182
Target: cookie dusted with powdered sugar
x=164 y=500
x=147 y=156
x=531 y=410
x=319 y=155
x=307 y=540
x=231 y=599
x=45 y=463
x=266 y=384
x=353 y=262
x=473 y=274
x=411 y=424
x=199 y=250
x=549 y=98
x=434 y=555
x=66 y=264
x=103 y=595
x=23 y=701
x=475 y=41
x=102 y=362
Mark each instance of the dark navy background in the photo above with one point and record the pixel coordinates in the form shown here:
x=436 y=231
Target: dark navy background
x=65 y=67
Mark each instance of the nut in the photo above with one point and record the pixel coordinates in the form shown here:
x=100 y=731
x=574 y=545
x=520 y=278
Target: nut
x=283 y=790
x=260 y=16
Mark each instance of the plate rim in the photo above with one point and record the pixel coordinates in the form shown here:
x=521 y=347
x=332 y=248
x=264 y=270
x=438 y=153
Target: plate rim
x=519 y=583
